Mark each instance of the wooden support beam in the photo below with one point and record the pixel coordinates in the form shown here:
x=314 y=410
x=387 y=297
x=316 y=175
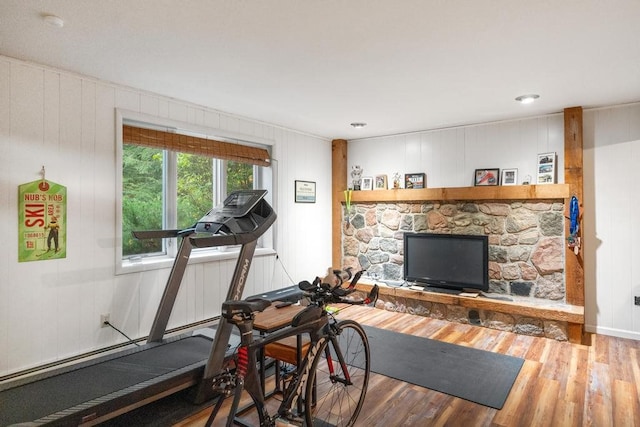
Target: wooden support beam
x=338 y=185
x=573 y=176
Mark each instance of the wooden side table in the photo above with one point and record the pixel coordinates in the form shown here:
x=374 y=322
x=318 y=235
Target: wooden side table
x=270 y=320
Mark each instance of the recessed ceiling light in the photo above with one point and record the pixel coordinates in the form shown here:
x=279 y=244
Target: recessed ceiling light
x=358 y=125
x=527 y=99
x=54 y=20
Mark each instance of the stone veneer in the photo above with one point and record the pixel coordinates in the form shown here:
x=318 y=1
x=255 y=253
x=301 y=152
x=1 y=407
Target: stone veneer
x=524 y=325
x=526 y=253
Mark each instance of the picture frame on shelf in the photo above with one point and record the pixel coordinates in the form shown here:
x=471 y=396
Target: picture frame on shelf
x=415 y=180
x=381 y=182
x=483 y=177
x=305 y=192
x=367 y=183
x=546 y=168
x=509 y=177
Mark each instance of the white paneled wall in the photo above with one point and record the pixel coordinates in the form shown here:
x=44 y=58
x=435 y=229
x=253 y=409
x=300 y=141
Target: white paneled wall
x=449 y=157
x=612 y=174
x=50 y=310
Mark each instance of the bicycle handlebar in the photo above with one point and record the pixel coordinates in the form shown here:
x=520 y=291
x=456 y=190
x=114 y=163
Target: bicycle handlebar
x=330 y=290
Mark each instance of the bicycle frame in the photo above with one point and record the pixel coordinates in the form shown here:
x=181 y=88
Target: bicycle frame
x=323 y=330
x=248 y=376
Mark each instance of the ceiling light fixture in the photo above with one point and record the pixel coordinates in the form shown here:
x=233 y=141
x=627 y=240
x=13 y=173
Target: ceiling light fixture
x=54 y=20
x=358 y=125
x=527 y=99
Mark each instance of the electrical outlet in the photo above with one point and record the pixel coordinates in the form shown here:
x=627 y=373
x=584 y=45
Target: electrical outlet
x=104 y=319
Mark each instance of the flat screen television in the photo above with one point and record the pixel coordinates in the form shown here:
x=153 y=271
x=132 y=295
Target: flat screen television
x=449 y=261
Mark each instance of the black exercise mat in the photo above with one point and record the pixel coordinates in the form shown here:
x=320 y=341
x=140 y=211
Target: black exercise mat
x=475 y=375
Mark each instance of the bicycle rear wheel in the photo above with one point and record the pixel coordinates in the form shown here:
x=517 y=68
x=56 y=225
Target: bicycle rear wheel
x=335 y=391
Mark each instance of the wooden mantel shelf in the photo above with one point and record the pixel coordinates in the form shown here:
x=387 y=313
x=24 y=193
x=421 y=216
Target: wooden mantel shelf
x=511 y=192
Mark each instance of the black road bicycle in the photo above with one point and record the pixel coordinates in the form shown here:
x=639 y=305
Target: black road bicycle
x=329 y=385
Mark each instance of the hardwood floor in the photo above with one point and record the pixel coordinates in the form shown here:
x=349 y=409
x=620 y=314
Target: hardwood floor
x=560 y=384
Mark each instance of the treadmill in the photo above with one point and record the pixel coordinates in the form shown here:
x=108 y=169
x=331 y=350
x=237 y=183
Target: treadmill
x=94 y=391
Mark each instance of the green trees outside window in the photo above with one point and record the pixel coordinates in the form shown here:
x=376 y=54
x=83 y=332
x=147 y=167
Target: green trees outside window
x=146 y=178
x=195 y=188
x=142 y=195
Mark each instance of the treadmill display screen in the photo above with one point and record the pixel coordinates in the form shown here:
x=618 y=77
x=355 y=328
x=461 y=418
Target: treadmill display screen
x=237 y=204
x=237 y=200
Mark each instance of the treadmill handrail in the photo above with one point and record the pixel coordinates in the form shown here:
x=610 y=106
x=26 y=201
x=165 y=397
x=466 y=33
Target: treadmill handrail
x=162 y=234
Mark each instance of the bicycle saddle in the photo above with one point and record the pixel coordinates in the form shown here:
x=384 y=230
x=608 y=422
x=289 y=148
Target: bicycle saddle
x=249 y=306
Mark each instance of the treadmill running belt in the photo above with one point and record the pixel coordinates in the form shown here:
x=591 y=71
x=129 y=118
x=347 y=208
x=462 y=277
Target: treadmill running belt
x=50 y=395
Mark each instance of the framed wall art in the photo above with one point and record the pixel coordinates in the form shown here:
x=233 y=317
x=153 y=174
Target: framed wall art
x=509 y=177
x=415 y=180
x=381 y=182
x=367 y=183
x=486 y=177
x=546 y=168
x=305 y=192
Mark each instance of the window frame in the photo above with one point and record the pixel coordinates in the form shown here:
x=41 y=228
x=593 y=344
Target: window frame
x=170 y=246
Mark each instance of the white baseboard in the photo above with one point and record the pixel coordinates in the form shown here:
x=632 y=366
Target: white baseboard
x=620 y=333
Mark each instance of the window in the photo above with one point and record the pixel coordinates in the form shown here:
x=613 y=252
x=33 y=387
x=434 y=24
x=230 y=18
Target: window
x=167 y=185
x=195 y=190
x=142 y=198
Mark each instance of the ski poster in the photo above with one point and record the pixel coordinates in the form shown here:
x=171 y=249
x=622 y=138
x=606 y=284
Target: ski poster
x=42 y=221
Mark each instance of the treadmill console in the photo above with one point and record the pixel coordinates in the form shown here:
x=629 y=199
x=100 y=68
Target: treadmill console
x=239 y=203
x=233 y=215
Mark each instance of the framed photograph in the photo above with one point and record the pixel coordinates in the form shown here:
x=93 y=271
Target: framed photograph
x=367 y=183
x=486 y=177
x=546 y=168
x=381 y=182
x=509 y=177
x=414 y=180
x=305 y=192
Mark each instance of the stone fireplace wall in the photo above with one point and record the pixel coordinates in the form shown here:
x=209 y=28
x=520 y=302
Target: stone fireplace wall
x=526 y=240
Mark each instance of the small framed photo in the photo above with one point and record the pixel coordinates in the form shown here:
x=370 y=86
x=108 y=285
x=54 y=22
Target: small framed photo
x=486 y=177
x=381 y=182
x=546 y=168
x=367 y=183
x=305 y=192
x=415 y=180
x=509 y=177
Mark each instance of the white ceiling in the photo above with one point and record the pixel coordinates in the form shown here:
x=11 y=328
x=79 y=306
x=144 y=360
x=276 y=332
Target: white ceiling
x=318 y=65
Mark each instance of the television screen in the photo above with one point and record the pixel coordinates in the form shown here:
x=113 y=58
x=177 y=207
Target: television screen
x=449 y=261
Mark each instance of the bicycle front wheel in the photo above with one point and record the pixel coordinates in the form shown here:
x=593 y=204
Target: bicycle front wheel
x=339 y=376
